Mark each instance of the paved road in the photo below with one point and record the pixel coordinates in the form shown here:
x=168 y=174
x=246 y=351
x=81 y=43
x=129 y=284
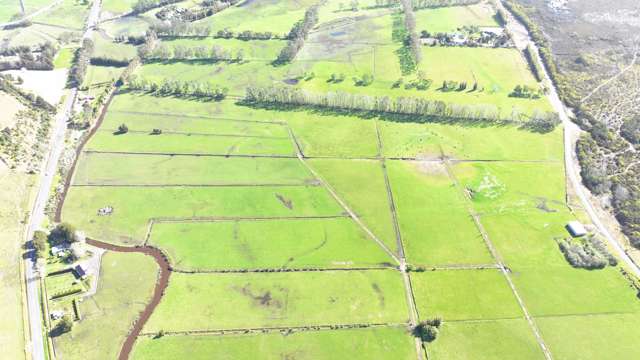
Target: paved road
x=571 y=130
x=47 y=173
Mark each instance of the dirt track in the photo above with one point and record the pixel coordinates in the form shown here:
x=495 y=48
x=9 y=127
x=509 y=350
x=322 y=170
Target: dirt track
x=158 y=291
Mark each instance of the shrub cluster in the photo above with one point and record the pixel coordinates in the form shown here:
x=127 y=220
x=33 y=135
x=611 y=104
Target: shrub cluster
x=81 y=61
x=179 y=52
x=428 y=330
x=412 y=40
x=34 y=100
x=582 y=255
x=40 y=58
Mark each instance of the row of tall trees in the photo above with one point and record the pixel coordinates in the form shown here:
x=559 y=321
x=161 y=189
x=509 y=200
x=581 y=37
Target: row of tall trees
x=178 y=88
x=180 y=52
x=81 y=61
x=280 y=95
x=298 y=35
x=146 y=5
x=412 y=39
x=427 y=4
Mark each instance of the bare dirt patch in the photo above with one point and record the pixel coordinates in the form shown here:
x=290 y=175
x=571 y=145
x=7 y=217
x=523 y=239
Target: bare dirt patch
x=48 y=84
x=10 y=107
x=432 y=168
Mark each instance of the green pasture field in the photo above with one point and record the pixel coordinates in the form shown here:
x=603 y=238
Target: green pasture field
x=435 y=224
x=30 y=36
x=468 y=141
x=563 y=290
x=118 y=169
x=70 y=14
x=337 y=136
x=8 y=9
x=537 y=234
x=323 y=243
x=118 y=6
x=125 y=286
x=335 y=10
x=232 y=301
x=277 y=16
x=360 y=183
x=464 y=295
x=234 y=76
x=201 y=144
x=98 y=76
x=134 y=207
x=485 y=340
x=609 y=336
x=449 y=19
x=511 y=186
x=255 y=50
x=128 y=25
x=379 y=343
x=185 y=124
x=105 y=47
x=64 y=58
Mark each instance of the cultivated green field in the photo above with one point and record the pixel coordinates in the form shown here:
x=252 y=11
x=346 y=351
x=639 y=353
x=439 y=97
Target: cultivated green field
x=8 y=9
x=324 y=243
x=379 y=343
x=288 y=228
x=70 y=14
x=280 y=299
x=126 y=283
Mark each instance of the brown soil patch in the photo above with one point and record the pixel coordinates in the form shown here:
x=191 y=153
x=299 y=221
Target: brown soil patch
x=158 y=292
x=432 y=168
x=10 y=107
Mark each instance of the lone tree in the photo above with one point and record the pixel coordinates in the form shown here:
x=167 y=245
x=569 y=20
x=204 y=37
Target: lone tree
x=65 y=325
x=40 y=243
x=122 y=129
x=428 y=330
x=64 y=232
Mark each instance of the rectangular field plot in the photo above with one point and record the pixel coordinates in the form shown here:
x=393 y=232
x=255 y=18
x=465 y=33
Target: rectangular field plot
x=485 y=340
x=265 y=50
x=117 y=6
x=190 y=125
x=468 y=141
x=564 y=290
x=125 y=286
x=393 y=343
x=134 y=207
x=251 y=300
x=303 y=243
x=528 y=238
x=197 y=144
x=360 y=183
x=611 y=336
x=70 y=14
x=8 y=9
x=146 y=104
x=436 y=227
x=127 y=169
x=339 y=136
x=464 y=295
x=502 y=186
x=234 y=76
x=497 y=72
x=449 y=19
x=275 y=16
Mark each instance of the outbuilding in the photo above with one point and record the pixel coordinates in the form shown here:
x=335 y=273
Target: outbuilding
x=576 y=229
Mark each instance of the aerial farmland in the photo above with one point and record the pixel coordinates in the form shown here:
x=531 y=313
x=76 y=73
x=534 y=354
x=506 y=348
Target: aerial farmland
x=373 y=179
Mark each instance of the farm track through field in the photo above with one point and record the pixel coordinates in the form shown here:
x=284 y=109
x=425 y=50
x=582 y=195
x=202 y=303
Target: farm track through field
x=275 y=270
x=195 y=185
x=496 y=256
x=198 y=117
x=284 y=329
x=189 y=154
x=199 y=134
x=158 y=291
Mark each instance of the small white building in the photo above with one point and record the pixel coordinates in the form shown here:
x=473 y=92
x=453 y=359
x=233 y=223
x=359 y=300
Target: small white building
x=576 y=229
x=60 y=249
